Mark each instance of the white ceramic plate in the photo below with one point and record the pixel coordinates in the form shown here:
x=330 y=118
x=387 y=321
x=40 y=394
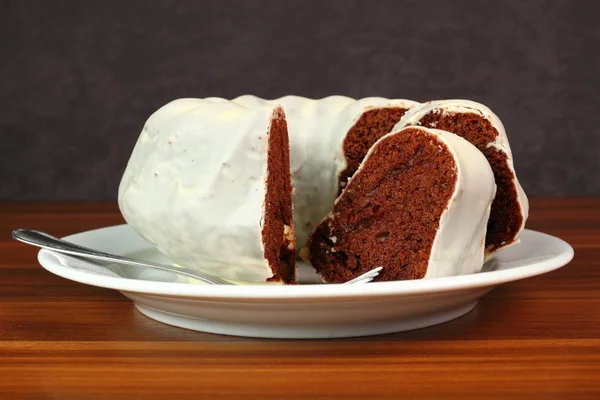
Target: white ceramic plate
x=300 y=311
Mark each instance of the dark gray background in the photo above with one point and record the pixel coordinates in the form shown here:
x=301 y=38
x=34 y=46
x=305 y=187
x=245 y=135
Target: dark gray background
x=79 y=78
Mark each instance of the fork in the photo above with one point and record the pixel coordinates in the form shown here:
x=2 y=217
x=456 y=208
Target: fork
x=47 y=241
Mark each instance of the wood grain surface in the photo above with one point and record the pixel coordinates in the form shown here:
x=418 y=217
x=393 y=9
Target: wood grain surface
x=535 y=339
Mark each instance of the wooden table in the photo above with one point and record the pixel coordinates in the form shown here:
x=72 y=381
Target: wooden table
x=535 y=339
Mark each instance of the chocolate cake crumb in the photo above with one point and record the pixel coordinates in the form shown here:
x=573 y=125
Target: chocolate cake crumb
x=278 y=237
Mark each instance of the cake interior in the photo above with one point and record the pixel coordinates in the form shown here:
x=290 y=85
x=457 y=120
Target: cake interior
x=505 y=216
x=369 y=128
x=389 y=213
x=278 y=233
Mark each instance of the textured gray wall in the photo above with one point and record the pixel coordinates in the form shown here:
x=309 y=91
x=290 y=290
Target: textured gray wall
x=79 y=78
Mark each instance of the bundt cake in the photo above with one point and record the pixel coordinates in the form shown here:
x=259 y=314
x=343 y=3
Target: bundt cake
x=373 y=182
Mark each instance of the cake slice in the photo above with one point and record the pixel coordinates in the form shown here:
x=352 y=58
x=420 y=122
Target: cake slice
x=209 y=184
x=480 y=126
x=418 y=206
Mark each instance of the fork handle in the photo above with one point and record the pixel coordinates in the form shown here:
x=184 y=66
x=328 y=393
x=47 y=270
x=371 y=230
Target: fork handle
x=46 y=241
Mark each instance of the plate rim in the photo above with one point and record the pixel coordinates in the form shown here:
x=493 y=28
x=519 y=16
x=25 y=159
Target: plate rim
x=298 y=293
